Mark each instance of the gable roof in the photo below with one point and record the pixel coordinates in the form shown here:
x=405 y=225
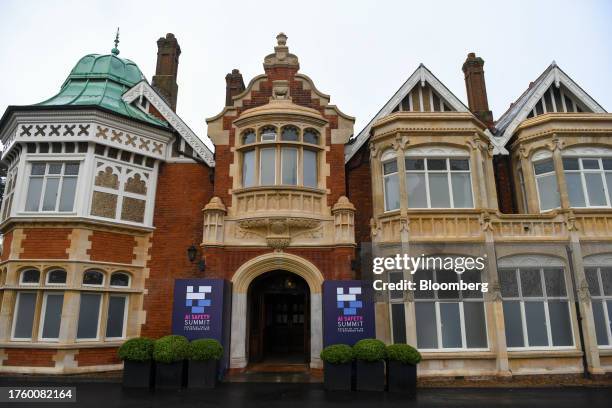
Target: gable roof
x=422 y=75
x=143 y=89
x=524 y=105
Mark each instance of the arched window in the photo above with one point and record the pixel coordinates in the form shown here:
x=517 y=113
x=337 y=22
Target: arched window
x=30 y=277
x=311 y=136
x=290 y=134
x=268 y=134
x=56 y=277
x=248 y=136
x=120 y=279
x=93 y=278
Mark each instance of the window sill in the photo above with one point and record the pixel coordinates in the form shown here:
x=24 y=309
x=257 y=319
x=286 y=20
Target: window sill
x=545 y=353
x=67 y=219
x=458 y=355
x=279 y=188
x=61 y=346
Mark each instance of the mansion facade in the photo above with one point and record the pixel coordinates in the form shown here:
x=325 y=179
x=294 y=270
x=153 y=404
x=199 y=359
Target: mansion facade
x=110 y=197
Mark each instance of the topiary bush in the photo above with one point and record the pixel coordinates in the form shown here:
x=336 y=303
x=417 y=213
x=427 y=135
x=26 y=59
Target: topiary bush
x=403 y=353
x=170 y=349
x=205 y=349
x=137 y=349
x=369 y=350
x=337 y=354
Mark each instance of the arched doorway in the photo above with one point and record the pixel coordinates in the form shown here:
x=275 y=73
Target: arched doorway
x=241 y=282
x=278 y=318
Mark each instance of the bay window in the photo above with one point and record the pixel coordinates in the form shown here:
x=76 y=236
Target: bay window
x=288 y=160
x=52 y=186
x=599 y=279
x=448 y=319
x=589 y=181
x=536 y=307
x=546 y=184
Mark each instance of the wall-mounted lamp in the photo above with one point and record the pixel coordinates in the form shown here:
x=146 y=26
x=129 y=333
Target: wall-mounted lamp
x=192 y=251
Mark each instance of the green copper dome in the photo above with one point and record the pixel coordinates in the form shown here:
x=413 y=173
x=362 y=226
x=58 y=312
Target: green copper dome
x=101 y=80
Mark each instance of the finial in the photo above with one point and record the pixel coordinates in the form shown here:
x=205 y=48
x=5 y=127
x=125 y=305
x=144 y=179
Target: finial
x=115 y=50
x=282 y=39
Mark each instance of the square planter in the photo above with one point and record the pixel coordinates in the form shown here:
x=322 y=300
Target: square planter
x=202 y=374
x=370 y=376
x=137 y=374
x=401 y=377
x=168 y=376
x=337 y=377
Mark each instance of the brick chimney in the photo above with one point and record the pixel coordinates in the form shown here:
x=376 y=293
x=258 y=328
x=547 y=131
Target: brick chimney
x=476 y=88
x=234 y=84
x=164 y=80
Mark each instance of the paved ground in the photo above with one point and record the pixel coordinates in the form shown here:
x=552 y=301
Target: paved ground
x=261 y=395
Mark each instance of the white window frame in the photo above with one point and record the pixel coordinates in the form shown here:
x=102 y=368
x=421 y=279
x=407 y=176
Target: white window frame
x=297 y=165
x=92 y=285
x=448 y=173
x=125 y=315
x=16 y=313
x=119 y=286
x=49 y=274
x=22 y=272
x=46 y=161
x=538 y=176
x=544 y=299
x=43 y=312
x=583 y=172
x=100 y=307
x=604 y=299
x=384 y=178
x=460 y=301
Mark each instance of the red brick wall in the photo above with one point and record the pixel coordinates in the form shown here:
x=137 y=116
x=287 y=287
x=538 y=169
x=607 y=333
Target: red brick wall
x=504 y=184
x=97 y=356
x=359 y=188
x=6 y=246
x=29 y=357
x=183 y=189
x=45 y=243
x=112 y=247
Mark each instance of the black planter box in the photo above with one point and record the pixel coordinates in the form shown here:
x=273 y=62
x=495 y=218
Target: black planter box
x=370 y=376
x=137 y=374
x=168 y=376
x=202 y=374
x=401 y=377
x=337 y=377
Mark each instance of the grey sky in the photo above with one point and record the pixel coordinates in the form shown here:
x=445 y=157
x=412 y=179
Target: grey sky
x=359 y=52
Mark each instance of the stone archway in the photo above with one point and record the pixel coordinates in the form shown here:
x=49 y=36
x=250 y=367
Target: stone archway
x=240 y=284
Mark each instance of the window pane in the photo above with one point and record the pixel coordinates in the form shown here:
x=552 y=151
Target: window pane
x=593 y=281
x=536 y=324
x=289 y=165
x=606 y=280
x=436 y=164
x=116 y=311
x=607 y=164
x=38 y=169
x=30 y=276
x=290 y=133
x=248 y=168
x=390 y=167
x=545 y=166
x=415 y=164
x=34 y=192
x=570 y=164
x=89 y=312
x=392 y=201
x=590 y=164
x=508 y=283
x=475 y=326
x=93 y=278
x=419 y=276
x=471 y=276
x=310 y=136
x=72 y=169
x=68 y=193
x=310 y=168
x=459 y=164
x=399 y=323
x=50 y=198
x=462 y=190
x=57 y=277
x=438 y=190
x=395 y=277
x=560 y=328
x=120 y=279
x=549 y=196
x=427 y=334
x=609 y=184
x=248 y=137
x=416 y=189
x=531 y=283
x=55 y=168
x=447 y=276
x=574 y=189
x=268 y=134
x=554 y=280
x=451 y=325
x=595 y=189
x=53 y=316
x=26 y=303
x=600 y=323
x=513 y=323
x=267 y=164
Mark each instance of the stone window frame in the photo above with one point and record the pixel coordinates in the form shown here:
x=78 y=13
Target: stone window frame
x=278 y=144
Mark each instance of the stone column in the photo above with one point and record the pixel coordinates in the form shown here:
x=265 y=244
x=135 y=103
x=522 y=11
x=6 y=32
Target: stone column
x=238 y=355
x=316 y=330
x=556 y=146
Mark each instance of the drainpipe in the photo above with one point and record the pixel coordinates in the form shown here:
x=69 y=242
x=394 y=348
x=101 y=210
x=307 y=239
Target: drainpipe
x=585 y=366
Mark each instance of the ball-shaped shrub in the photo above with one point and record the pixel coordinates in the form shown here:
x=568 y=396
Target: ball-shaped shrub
x=137 y=349
x=337 y=354
x=403 y=353
x=205 y=349
x=369 y=350
x=170 y=349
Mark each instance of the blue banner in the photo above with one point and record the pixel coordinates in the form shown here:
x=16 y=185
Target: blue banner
x=348 y=312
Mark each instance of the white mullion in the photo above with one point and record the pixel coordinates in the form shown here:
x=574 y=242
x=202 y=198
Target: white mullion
x=602 y=174
x=587 y=201
x=438 y=324
x=450 y=186
x=462 y=321
x=552 y=98
x=517 y=271
x=546 y=312
x=43 y=191
x=426 y=172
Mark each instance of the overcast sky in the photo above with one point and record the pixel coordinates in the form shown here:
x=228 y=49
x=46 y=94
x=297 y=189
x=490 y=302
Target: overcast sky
x=359 y=52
